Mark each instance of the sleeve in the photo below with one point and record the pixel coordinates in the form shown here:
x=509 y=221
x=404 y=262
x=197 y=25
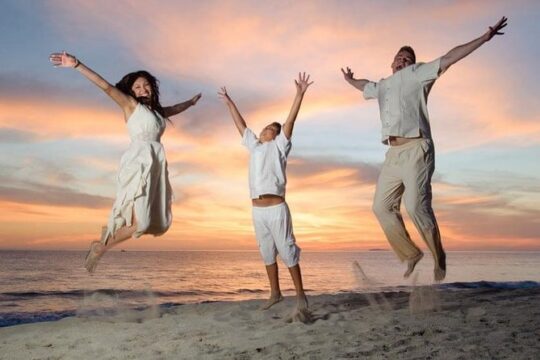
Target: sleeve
x=249 y=139
x=428 y=71
x=371 y=90
x=283 y=144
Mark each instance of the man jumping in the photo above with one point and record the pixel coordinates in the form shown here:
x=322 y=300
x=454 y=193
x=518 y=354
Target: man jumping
x=410 y=160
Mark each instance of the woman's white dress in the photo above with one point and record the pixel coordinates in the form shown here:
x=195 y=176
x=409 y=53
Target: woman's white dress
x=143 y=188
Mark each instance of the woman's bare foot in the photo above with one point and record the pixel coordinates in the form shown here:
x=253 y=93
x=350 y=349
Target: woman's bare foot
x=272 y=301
x=411 y=264
x=97 y=249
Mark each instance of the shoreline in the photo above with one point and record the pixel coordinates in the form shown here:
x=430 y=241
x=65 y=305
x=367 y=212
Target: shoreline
x=109 y=302
x=85 y=250
x=427 y=322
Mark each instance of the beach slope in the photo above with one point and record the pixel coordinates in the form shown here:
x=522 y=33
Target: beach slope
x=427 y=323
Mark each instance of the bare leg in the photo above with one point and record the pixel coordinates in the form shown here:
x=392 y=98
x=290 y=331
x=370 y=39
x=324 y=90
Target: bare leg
x=275 y=292
x=301 y=312
x=97 y=249
x=298 y=286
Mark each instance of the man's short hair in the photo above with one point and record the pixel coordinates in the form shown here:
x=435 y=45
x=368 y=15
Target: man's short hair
x=278 y=126
x=410 y=50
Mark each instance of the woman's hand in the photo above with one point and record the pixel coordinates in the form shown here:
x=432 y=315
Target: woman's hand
x=63 y=59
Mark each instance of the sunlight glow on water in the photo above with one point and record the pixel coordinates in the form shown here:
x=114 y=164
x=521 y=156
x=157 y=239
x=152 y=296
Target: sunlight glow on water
x=33 y=281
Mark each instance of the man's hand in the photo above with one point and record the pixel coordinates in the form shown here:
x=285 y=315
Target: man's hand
x=496 y=29
x=348 y=75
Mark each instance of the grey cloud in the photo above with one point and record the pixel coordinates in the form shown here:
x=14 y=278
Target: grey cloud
x=21 y=86
x=210 y=116
x=476 y=221
x=52 y=195
x=16 y=136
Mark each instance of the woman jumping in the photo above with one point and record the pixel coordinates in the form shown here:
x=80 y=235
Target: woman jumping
x=144 y=194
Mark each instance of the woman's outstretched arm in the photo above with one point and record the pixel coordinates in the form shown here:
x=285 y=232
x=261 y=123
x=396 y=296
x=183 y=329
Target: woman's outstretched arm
x=180 y=107
x=237 y=117
x=459 y=52
x=63 y=59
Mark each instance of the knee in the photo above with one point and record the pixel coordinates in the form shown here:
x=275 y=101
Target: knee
x=422 y=215
x=418 y=205
x=413 y=209
x=142 y=226
x=291 y=256
x=380 y=209
x=288 y=250
x=268 y=253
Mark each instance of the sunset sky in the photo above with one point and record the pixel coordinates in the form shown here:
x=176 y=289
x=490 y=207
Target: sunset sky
x=61 y=138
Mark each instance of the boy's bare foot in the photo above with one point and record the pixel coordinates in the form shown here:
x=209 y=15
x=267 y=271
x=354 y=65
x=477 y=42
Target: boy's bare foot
x=411 y=264
x=302 y=302
x=94 y=254
x=301 y=312
x=272 y=301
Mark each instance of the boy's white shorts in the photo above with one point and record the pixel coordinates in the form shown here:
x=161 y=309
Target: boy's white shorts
x=274 y=233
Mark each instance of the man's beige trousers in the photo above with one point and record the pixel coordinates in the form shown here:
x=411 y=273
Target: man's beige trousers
x=406 y=173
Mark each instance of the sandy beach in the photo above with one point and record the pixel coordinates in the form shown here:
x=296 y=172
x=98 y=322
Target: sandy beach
x=426 y=323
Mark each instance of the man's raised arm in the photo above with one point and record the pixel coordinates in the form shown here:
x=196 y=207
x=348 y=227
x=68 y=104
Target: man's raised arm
x=459 y=52
x=357 y=83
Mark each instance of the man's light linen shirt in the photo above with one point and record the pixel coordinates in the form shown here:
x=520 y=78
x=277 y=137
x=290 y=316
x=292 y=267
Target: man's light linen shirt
x=403 y=100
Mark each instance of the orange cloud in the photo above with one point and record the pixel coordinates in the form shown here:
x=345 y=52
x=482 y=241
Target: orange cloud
x=257 y=53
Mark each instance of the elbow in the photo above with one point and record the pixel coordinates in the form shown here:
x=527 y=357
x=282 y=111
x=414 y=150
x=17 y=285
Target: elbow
x=107 y=88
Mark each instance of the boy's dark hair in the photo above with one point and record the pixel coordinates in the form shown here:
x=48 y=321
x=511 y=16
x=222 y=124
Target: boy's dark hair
x=278 y=126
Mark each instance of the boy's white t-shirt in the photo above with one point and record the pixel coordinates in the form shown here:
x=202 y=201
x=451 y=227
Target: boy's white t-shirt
x=267 y=164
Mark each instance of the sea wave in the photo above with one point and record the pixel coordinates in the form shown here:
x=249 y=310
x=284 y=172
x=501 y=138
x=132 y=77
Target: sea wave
x=125 y=293
x=162 y=299
x=490 y=285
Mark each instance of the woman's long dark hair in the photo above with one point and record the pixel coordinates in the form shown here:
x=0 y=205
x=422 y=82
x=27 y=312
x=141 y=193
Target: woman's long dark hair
x=126 y=84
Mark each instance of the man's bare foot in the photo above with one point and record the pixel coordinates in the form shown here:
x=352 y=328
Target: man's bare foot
x=439 y=274
x=271 y=302
x=411 y=264
x=96 y=251
x=440 y=270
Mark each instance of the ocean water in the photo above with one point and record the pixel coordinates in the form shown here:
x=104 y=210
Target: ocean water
x=48 y=285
